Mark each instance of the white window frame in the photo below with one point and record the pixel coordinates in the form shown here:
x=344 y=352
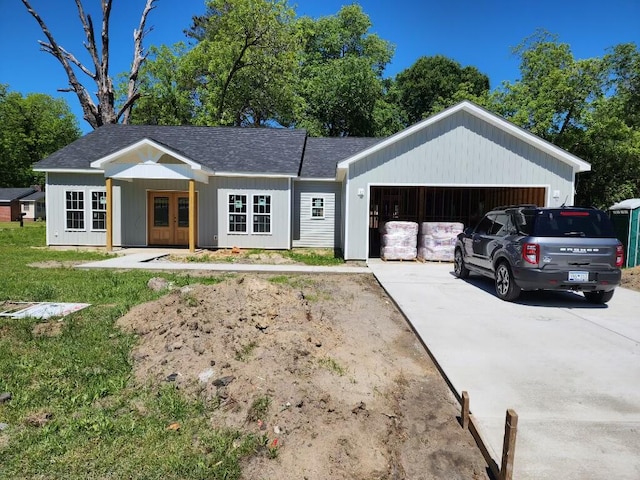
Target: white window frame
x=92 y=210
x=68 y=210
x=323 y=207
x=245 y=213
x=255 y=214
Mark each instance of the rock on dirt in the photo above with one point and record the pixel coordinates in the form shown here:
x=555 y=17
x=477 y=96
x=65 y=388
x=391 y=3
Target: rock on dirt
x=326 y=361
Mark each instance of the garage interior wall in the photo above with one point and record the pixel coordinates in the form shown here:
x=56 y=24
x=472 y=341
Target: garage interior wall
x=419 y=204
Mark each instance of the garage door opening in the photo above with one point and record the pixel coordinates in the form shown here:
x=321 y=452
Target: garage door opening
x=441 y=204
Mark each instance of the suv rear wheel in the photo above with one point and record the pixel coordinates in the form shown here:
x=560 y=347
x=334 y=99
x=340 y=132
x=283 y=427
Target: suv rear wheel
x=506 y=287
x=459 y=268
x=599 y=296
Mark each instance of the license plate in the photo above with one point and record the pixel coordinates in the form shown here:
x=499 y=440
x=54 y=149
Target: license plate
x=578 y=276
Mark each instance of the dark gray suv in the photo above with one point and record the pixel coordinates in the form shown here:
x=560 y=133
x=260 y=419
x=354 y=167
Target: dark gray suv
x=531 y=248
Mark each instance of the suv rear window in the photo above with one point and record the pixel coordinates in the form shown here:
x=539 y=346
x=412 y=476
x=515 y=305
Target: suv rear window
x=565 y=223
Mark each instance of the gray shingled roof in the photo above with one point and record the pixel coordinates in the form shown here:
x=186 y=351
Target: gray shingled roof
x=33 y=197
x=221 y=149
x=321 y=155
x=10 y=194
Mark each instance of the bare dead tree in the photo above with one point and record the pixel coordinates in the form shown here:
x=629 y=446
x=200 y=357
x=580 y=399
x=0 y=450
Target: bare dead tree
x=104 y=112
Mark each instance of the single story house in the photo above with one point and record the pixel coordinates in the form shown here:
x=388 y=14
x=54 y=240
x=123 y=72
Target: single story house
x=220 y=187
x=33 y=206
x=10 y=199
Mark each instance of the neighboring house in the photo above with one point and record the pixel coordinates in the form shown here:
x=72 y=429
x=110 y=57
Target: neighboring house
x=218 y=187
x=33 y=206
x=10 y=202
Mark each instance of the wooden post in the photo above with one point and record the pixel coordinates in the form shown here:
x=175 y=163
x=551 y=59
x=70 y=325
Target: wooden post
x=192 y=215
x=509 y=445
x=109 y=243
x=464 y=417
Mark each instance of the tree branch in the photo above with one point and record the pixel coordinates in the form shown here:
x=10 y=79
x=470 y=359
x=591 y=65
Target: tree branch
x=127 y=105
x=89 y=108
x=46 y=47
x=138 y=58
x=87 y=25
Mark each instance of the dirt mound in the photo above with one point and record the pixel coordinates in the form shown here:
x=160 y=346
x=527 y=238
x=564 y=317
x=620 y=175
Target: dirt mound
x=324 y=365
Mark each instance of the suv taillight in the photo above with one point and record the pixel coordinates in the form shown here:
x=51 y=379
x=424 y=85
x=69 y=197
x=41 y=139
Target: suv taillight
x=531 y=253
x=619 y=255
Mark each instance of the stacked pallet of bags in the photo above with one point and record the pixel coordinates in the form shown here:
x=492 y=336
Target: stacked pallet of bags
x=399 y=241
x=438 y=240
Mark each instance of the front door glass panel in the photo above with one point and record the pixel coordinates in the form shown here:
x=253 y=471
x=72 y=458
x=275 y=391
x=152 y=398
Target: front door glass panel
x=183 y=212
x=161 y=211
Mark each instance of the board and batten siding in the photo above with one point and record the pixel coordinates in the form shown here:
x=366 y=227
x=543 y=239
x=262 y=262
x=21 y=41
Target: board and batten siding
x=57 y=232
x=460 y=150
x=134 y=195
x=278 y=188
x=317 y=232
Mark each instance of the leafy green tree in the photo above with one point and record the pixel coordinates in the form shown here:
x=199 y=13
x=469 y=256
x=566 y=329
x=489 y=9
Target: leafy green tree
x=341 y=69
x=31 y=128
x=167 y=99
x=612 y=133
x=434 y=83
x=554 y=91
x=623 y=62
x=240 y=71
x=588 y=107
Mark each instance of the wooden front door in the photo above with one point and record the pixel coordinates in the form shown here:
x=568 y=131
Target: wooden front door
x=168 y=218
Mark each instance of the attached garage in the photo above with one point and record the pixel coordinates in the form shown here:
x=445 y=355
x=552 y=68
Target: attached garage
x=454 y=166
x=440 y=204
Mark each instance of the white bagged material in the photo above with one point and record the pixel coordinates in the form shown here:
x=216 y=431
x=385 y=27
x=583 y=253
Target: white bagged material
x=437 y=240
x=441 y=229
x=439 y=254
x=398 y=253
x=398 y=240
x=408 y=228
x=429 y=241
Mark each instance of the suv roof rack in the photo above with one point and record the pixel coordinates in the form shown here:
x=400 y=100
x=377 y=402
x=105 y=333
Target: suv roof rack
x=520 y=205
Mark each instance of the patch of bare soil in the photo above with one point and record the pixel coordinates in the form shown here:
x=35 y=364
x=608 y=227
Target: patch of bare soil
x=631 y=278
x=56 y=264
x=47 y=329
x=351 y=392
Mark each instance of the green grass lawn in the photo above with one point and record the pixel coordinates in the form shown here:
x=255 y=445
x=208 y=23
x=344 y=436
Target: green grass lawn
x=98 y=424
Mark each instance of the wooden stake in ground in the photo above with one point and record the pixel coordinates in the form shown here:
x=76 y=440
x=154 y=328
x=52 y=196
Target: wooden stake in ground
x=509 y=445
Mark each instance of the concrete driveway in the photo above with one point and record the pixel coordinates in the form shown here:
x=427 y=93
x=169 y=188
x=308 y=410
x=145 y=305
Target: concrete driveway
x=571 y=370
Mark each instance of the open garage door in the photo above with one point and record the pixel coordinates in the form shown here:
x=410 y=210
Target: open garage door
x=441 y=204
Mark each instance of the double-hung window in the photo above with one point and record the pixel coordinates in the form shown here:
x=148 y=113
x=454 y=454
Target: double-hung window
x=262 y=214
x=317 y=207
x=98 y=210
x=237 y=213
x=74 y=210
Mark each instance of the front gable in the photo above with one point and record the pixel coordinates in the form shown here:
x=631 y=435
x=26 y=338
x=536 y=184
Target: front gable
x=150 y=160
x=459 y=136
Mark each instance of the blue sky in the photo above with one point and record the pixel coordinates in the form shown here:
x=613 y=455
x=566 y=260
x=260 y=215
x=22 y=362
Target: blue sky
x=472 y=32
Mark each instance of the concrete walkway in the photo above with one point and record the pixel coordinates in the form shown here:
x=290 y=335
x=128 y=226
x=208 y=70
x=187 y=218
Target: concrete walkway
x=571 y=370
x=144 y=259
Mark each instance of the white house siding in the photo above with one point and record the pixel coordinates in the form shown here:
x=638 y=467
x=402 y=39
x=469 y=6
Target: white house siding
x=317 y=232
x=33 y=210
x=460 y=150
x=57 y=232
x=278 y=188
